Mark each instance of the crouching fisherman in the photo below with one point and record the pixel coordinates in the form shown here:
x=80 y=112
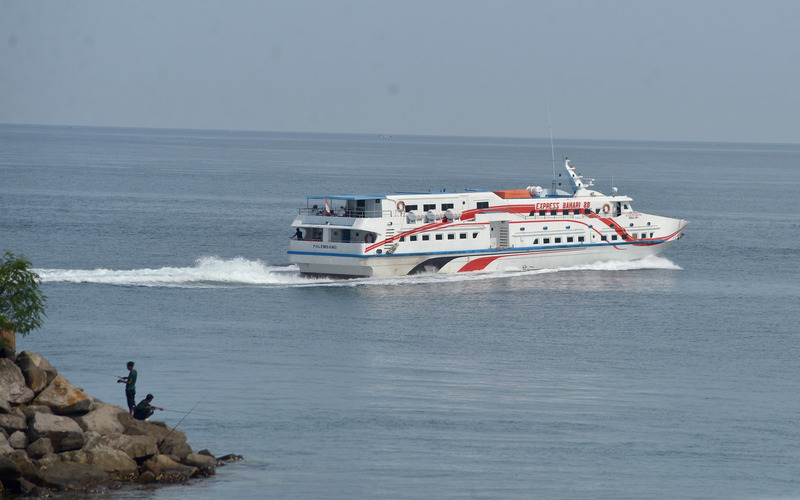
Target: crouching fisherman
x=144 y=409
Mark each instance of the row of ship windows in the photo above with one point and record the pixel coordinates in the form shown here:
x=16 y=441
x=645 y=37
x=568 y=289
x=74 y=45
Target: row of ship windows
x=614 y=237
x=450 y=236
x=431 y=206
x=566 y=211
x=482 y=205
x=545 y=241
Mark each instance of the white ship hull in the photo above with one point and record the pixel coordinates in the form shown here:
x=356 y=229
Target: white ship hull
x=477 y=231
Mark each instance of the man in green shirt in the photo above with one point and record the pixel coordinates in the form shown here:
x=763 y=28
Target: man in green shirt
x=130 y=386
x=144 y=409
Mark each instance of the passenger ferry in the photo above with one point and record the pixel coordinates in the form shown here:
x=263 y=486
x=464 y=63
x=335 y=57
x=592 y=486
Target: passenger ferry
x=384 y=235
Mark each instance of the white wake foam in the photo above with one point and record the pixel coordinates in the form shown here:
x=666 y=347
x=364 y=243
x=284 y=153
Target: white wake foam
x=207 y=272
x=214 y=272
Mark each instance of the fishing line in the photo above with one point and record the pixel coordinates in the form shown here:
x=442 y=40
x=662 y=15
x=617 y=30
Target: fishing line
x=184 y=418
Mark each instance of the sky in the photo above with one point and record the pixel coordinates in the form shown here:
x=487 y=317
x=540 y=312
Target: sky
x=677 y=70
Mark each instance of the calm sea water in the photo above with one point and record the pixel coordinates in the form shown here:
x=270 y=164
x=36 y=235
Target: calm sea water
x=676 y=377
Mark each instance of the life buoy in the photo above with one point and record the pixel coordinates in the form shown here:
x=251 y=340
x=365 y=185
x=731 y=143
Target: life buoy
x=401 y=206
x=606 y=208
x=369 y=238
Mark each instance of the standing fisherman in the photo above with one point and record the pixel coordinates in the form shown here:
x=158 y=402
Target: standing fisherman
x=130 y=386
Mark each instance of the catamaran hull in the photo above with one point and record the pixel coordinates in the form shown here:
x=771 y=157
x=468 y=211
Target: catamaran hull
x=493 y=261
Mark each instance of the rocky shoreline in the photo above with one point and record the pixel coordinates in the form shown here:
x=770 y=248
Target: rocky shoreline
x=55 y=437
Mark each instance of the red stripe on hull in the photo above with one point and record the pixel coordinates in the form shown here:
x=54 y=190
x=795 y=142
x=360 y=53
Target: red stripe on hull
x=478 y=264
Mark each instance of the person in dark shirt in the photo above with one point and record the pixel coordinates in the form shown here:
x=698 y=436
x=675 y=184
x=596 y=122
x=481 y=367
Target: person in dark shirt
x=130 y=386
x=144 y=409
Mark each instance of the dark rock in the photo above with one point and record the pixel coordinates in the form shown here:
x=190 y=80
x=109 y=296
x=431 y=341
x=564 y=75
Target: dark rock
x=146 y=477
x=117 y=463
x=39 y=448
x=27 y=488
x=159 y=430
x=23 y=462
x=38 y=372
x=12 y=422
x=5 y=446
x=205 y=452
x=230 y=458
x=5 y=407
x=178 y=449
x=63 y=432
x=12 y=383
x=47 y=460
x=74 y=456
x=170 y=441
x=9 y=469
x=32 y=410
x=136 y=447
x=68 y=476
x=18 y=440
x=167 y=470
x=205 y=464
x=105 y=419
x=64 y=398
x=37 y=361
x=92 y=439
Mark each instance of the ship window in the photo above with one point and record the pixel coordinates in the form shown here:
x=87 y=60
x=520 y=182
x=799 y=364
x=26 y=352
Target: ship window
x=558 y=240
x=402 y=238
x=565 y=211
x=425 y=237
x=625 y=206
x=533 y=212
x=410 y=208
x=603 y=238
x=413 y=238
x=462 y=236
x=651 y=235
x=536 y=241
x=597 y=210
x=542 y=212
x=614 y=237
x=570 y=239
x=577 y=211
x=546 y=240
x=445 y=206
x=474 y=235
x=427 y=207
x=451 y=236
x=438 y=237
x=483 y=204
x=553 y=212
x=580 y=239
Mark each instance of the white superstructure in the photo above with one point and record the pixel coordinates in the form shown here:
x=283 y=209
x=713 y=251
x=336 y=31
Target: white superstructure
x=352 y=236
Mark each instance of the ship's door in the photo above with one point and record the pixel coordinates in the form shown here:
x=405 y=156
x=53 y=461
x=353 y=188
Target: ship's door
x=498 y=237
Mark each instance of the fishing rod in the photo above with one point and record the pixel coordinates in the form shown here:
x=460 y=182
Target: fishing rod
x=184 y=418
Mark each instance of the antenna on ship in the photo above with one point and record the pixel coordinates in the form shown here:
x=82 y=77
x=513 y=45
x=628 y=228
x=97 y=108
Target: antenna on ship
x=552 y=149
